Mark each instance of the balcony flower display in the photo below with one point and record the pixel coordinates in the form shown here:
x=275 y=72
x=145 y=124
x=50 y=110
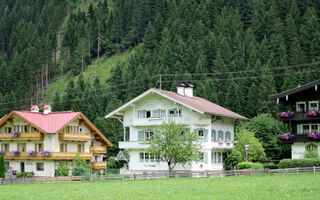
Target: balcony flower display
x=15 y=134
x=286 y=136
x=287 y=114
x=314 y=135
x=46 y=153
x=2 y=152
x=15 y=152
x=314 y=113
x=32 y=153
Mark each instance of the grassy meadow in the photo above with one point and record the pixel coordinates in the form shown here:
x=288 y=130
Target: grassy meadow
x=292 y=186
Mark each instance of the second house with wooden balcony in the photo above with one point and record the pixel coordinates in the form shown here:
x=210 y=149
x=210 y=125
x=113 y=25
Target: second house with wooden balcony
x=300 y=110
x=33 y=141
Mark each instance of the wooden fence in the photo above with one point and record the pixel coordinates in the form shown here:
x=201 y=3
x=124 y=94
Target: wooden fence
x=158 y=175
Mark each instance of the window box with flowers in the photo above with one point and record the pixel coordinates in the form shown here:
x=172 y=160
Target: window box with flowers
x=287 y=114
x=286 y=136
x=2 y=152
x=46 y=153
x=32 y=153
x=14 y=152
x=15 y=134
x=314 y=113
x=314 y=135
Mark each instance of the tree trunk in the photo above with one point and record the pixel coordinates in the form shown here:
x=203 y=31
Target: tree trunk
x=170 y=170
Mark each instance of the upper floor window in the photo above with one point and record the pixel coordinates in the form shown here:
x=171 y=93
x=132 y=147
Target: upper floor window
x=21 y=147
x=38 y=147
x=34 y=130
x=75 y=129
x=159 y=113
x=305 y=129
x=227 y=135
x=24 y=128
x=314 y=128
x=80 y=130
x=144 y=114
x=175 y=112
x=145 y=135
x=68 y=129
x=313 y=106
x=213 y=135
x=8 y=129
x=126 y=133
x=301 y=107
x=80 y=148
x=18 y=128
x=5 y=147
x=63 y=147
x=220 y=135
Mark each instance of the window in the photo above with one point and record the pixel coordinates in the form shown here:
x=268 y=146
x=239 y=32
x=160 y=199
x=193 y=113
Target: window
x=40 y=167
x=313 y=106
x=159 y=113
x=80 y=148
x=126 y=133
x=147 y=157
x=80 y=130
x=201 y=135
x=5 y=147
x=220 y=135
x=175 y=112
x=63 y=147
x=38 y=147
x=228 y=136
x=34 y=130
x=8 y=129
x=141 y=114
x=21 y=147
x=301 y=106
x=75 y=129
x=305 y=129
x=68 y=129
x=314 y=128
x=216 y=157
x=213 y=135
x=25 y=128
x=18 y=128
x=148 y=135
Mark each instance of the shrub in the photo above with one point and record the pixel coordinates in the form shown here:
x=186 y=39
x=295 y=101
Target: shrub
x=311 y=151
x=249 y=165
x=270 y=166
x=25 y=175
x=294 y=163
x=63 y=170
x=2 y=167
x=82 y=168
x=232 y=159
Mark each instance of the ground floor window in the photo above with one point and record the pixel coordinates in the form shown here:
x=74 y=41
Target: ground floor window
x=216 y=157
x=147 y=157
x=40 y=167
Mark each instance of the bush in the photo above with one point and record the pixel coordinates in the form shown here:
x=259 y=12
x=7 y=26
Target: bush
x=25 y=175
x=2 y=167
x=311 y=152
x=270 y=166
x=232 y=159
x=63 y=170
x=294 y=163
x=82 y=168
x=249 y=165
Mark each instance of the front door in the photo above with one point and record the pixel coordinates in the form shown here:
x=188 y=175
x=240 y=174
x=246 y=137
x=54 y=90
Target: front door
x=21 y=166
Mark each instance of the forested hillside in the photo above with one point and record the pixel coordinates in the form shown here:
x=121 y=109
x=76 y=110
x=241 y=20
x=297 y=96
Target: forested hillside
x=236 y=53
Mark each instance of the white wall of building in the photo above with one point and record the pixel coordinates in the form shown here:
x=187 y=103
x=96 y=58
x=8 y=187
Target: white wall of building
x=298 y=149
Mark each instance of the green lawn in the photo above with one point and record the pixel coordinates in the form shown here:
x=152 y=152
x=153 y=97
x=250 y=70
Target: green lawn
x=302 y=186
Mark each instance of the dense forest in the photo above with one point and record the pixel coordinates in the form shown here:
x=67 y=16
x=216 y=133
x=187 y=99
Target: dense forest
x=236 y=53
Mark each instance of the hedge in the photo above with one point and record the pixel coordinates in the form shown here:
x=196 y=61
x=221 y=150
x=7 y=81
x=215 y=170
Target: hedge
x=25 y=175
x=249 y=165
x=295 y=163
x=270 y=166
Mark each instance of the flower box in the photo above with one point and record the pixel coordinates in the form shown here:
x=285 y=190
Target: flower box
x=314 y=113
x=32 y=153
x=286 y=114
x=286 y=136
x=15 y=152
x=46 y=153
x=314 y=135
x=15 y=134
x=2 y=152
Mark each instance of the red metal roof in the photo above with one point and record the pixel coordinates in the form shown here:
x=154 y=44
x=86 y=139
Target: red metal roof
x=46 y=106
x=51 y=123
x=3 y=117
x=203 y=105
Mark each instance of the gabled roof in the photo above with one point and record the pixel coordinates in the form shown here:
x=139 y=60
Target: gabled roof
x=197 y=104
x=52 y=122
x=295 y=90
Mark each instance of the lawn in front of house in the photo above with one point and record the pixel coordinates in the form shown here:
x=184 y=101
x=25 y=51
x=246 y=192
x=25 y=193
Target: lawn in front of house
x=291 y=186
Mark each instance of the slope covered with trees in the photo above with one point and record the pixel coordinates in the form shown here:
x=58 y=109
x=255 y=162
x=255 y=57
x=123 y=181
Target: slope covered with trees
x=235 y=52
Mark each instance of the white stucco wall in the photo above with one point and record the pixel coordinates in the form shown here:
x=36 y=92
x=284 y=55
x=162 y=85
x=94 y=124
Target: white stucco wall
x=30 y=166
x=298 y=149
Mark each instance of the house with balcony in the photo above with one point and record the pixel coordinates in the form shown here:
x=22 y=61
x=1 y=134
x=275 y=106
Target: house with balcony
x=300 y=110
x=33 y=141
x=144 y=114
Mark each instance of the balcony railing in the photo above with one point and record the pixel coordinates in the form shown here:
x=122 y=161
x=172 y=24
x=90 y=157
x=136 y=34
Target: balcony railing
x=98 y=165
x=53 y=156
x=97 y=149
x=22 y=137
x=75 y=137
x=300 y=116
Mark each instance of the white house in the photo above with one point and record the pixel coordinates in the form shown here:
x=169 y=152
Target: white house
x=143 y=114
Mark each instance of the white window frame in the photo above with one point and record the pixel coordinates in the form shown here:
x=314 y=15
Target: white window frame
x=310 y=102
x=201 y=137
x=145 y=157
x=42 y=166
x=215 y=157
x=303 y=129
x=301 y=102
x=148 y=134
x=177 y=112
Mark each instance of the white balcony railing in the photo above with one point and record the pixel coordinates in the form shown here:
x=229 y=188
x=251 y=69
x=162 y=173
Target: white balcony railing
x=133 y=145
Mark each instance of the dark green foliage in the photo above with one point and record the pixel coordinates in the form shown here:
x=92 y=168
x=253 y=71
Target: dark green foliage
x=249 y=165
x=231 y=160
x=294 y=163
x=25 y=175
x=270 y=166
x=63 y=170
x=81 y=167
x=2 y=167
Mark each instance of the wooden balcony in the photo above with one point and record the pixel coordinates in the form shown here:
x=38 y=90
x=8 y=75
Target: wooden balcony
x=299 y=138
x=98 y=165
x=21 y=137
x=53 y=156
x=97 y=149
x=300 y=116
x=75 y=137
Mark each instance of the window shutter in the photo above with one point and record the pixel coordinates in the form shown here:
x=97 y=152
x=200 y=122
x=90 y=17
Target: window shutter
x=61 y=147
x=205 y=135
x=25 y=147
x=140 y=135
x=1 y=147
x=35 y=147
x=8 y=147
x=205 y=155
x=78 y=148
x=18 y=147
x=66 y=146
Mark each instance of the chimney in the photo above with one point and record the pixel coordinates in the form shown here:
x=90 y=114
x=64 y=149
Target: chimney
x=34 y=108
x=180 y=88
x=188 y=90
x=46 y=109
